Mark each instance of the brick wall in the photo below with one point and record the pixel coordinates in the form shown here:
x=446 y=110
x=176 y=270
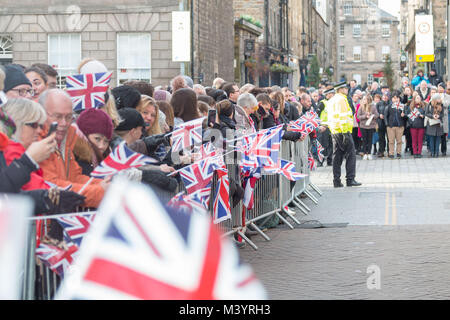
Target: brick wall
x=213 y=40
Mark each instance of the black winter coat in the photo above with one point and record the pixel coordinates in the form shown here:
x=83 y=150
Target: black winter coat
x=381 y=108
x=16 y=175
x=393 y=118
x=417 y=123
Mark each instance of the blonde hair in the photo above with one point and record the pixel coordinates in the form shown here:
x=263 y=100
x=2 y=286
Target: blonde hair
x=24 y=111
x=2 y=79
x=145 y=102
x=366 y=107
x=111 y=110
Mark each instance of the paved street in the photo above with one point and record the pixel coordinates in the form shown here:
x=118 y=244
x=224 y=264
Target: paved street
x=398 y=221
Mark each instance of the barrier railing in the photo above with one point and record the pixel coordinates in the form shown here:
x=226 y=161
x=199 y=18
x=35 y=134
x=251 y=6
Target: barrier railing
x=271 y=194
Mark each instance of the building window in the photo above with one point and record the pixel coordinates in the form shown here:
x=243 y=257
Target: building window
x=6 y=53
x=386 y=30
x=357 y=54
x=133 y=57
x=357 y=30
x=385 y=52
x=64 y=54
x=342 y=54
x=341 y=30
x=347 y=8
x=357 y=78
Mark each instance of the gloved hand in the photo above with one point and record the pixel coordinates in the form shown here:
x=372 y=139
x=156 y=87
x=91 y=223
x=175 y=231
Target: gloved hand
x=153 y=142
x=131 y=174
x=158 y=178
x=65 y=201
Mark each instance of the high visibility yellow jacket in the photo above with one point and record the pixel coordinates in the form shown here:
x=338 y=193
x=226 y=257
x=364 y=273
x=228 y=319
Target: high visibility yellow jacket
x=338 y=115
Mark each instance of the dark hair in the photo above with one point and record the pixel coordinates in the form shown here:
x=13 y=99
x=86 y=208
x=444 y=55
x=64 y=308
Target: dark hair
x=257 y=91
x=228 y=88
x=39 y=71
x=396 y=93
x=202 y=106
x=167 y=109
x=218 y=95
x=264 y=98
x=141 y=86
x=225 y=108
x=49 y=70
x=207 y=99
x=184 y=103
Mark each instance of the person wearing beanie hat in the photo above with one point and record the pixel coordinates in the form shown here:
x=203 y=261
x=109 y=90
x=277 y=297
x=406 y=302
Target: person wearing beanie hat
x=97 y=129
x=162 y=95
x=126 y=97
x=91 y=65
x=16 y=84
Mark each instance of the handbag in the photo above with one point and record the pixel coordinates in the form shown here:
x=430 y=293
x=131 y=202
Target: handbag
x=368 y=122
x=434 y=122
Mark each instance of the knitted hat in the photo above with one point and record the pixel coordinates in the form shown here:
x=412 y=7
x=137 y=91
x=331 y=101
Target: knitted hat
x=93 y=66
x=92 y=121
x=131 y=118
x=189 y=82
x=14 y=77
x=162 y=95
x=126 y=97
x=7 y=123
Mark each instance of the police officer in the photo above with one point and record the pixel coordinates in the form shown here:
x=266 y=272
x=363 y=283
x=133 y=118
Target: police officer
x=338 y=117
x=325 y=137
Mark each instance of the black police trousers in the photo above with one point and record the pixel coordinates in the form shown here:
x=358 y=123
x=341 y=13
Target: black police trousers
x=343 y=148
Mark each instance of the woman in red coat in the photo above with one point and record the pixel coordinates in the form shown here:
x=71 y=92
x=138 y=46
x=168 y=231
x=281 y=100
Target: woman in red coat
x=29 y=118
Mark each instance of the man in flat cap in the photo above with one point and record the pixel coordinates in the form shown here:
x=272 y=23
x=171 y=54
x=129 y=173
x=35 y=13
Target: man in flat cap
x=338 y=117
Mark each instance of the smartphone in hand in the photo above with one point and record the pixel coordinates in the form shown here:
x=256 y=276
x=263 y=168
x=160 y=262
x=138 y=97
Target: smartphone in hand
x=52 y=129
x=211 y=117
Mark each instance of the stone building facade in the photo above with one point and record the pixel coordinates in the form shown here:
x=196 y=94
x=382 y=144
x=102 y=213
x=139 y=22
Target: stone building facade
x=133 y=39
x=283 y=23
x=366 y=35
x=437 y=8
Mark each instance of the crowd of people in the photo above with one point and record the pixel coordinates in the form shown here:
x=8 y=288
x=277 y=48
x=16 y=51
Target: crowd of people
x=54 y=168
x=418 y=111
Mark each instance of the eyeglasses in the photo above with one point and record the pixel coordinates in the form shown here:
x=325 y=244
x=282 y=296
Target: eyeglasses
x=59 y=117
x=24 y=92
x=35 y=125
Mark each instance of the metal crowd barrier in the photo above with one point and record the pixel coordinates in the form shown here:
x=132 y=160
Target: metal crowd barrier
x=271 y=194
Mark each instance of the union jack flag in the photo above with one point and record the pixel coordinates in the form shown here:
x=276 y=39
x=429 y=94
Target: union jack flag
x=287 y=169
x=136 y=253
x=88 y=90
x=57 y=259
x=121 y=158
x=221 y=206
x=261 y=148
x=311 y=162
x=320 y=151
x=306 y=124
x=187 y=134
x=199 y=174
x=75 y=227
x=249 y=183
x=414 y=115
x=189 y=203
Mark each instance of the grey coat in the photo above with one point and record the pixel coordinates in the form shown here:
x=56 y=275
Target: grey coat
x=446 y=104
x=363 y=118
x=438 y=129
